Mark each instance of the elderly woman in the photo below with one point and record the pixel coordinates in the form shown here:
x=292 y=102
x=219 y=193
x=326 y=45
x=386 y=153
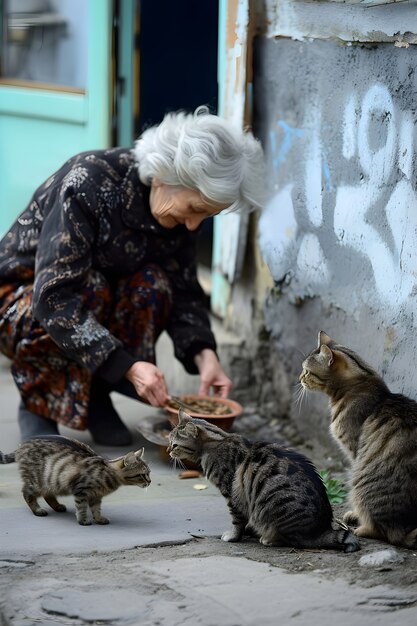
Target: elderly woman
x=103 y=260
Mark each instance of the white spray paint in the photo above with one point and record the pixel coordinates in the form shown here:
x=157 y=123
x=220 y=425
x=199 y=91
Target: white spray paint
x=292 y=249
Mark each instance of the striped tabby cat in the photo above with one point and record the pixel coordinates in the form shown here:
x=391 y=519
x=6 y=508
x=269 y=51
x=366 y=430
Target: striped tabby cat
x=377 y=430
x=272 y=492
x=52 y=466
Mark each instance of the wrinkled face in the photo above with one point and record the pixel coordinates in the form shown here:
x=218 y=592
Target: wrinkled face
x=173 y=204
x=135 y=470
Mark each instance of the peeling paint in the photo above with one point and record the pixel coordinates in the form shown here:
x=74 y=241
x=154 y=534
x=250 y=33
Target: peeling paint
x=301 y=20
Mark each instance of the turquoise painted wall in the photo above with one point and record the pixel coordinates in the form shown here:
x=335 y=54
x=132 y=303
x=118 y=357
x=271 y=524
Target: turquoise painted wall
x=40 y=129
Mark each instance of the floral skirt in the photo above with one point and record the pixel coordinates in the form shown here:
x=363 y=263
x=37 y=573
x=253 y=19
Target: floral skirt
x=135 y=310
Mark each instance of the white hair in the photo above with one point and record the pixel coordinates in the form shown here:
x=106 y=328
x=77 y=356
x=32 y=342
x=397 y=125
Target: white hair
x=206 y=153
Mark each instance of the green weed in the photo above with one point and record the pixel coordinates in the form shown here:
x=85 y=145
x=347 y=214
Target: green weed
x=336 y=490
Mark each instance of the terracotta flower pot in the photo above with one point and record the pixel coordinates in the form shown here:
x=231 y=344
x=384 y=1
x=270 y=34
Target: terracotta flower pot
x=223 y=412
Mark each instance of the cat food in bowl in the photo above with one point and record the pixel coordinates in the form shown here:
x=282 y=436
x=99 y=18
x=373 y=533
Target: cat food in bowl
x=218 y=411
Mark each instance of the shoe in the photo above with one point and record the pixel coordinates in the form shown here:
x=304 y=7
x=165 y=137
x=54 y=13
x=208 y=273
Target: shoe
x=33 y=425
x=104 y=422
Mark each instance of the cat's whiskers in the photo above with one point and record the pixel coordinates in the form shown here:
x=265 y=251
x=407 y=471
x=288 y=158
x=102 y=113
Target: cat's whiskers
x=301 y=352
x=181 y=465
x=300 y=394
x=176 y=464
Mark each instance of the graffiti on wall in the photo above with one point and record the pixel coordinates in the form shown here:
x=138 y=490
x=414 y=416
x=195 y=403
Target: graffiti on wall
x=392 y=252
x=344 y=210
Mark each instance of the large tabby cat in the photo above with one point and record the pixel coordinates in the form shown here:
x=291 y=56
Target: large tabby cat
x=378 y=431
x=52 y=466
x=272 y=492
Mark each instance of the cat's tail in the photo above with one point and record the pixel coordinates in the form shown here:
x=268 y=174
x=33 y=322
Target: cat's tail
x=339 y=538
x=7 y=458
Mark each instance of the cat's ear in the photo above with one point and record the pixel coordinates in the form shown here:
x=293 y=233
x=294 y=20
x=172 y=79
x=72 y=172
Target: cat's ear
x=183 y=417
x=139 y=453
x=323 y=338
x=327 y=353
x=186 y=420
x=129 y=459
x=192 y=430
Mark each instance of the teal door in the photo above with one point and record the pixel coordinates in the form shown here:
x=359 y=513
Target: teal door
x=55 y=91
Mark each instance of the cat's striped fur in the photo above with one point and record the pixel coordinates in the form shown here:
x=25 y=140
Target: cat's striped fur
x=52 y=466
x=377 y=430
x=273 y=493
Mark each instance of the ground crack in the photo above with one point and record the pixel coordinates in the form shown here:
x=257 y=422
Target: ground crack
x=389 y=604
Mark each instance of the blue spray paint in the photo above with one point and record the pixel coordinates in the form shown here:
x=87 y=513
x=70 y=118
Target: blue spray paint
x=289 y=135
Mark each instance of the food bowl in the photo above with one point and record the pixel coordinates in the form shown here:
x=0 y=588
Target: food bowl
x=218 y=411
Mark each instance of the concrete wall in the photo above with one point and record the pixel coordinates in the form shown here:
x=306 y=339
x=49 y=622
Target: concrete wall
x=335 y=105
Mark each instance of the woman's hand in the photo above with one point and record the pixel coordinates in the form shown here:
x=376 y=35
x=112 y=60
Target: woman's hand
x=149 y=383
x=212 y=374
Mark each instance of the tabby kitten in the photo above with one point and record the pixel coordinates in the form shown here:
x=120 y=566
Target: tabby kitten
x=272 y=492
x=377 y=430
x=52 y=465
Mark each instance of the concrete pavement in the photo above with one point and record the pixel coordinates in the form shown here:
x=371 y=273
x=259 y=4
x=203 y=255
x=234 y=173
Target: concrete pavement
x=161 y=562
x=137 y=516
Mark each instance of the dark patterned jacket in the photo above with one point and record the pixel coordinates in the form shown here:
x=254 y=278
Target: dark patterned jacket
x=94 y=213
